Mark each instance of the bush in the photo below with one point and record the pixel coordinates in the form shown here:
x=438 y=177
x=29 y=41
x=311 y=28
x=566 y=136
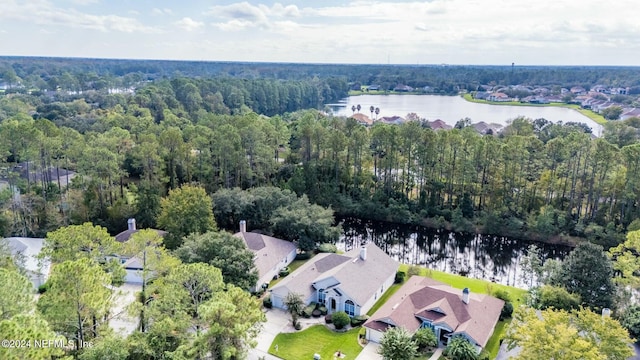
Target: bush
x=44 y=287
x=297 y=325
x=425 y=337
x=400 y=276
x=340 y=319
x=308 y=311
x=327 y=248
x=303 y=256
x=414 y=270
x=502 y=295
x=284 y=271
x=507 y=310
x=267 y=303
x=316 y=313
x=358 y=320
x=328 y=319
x=323 y=310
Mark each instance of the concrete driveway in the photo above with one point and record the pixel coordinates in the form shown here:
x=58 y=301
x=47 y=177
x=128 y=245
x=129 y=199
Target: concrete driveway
x=370 y=352
x=277 y=321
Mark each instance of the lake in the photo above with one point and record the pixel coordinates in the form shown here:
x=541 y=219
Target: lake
x=450 y=109
x=493 y=258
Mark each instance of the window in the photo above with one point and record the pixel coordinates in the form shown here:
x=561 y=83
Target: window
x=321 y=296
x=350 y=308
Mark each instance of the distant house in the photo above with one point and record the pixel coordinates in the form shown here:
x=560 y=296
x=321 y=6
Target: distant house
x=133 y=265
x=395 y=120
x=350 y=282
x=481 y=95
x=403 y=88
x=600 y=89
x=578 y=90
x=633 y=112
x=362 y=119
x=271 y=254
x=34 y=173
x=373 y=87
x=438 y=125
x=25 y=251
x=498 y=96
x=426 y=303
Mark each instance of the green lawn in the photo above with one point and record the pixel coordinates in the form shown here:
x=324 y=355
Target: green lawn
x=588 y=113
x=474 y=285
x=493 y=345
x=383 y=299
x=292 y=267
x=317 y=339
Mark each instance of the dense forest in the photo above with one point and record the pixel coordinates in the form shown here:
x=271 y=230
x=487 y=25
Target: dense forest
x=535 y=180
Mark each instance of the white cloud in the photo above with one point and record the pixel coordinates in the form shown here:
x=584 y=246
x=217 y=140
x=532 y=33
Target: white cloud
x=85 y=2
x=44 y=13
x=165 y=11
x=188 y=24
x=243 y=15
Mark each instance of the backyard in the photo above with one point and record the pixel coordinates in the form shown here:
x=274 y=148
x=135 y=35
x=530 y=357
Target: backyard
x=317 y=339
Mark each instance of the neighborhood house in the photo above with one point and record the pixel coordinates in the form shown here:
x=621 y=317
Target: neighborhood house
x=133 y=265
x=350 y=282
x=426 y=303
x=270 y=254
x=25 y=251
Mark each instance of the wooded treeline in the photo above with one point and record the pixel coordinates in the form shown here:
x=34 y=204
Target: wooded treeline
x=86 y=74
x=535 y=180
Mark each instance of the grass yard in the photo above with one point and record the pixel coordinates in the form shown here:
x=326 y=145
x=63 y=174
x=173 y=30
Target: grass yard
x=317 y=339
x=295 y=264
x=493 y=345
x=474 y=285
x=383 y=299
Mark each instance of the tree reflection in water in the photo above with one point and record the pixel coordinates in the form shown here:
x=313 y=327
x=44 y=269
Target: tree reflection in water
x=486 y=257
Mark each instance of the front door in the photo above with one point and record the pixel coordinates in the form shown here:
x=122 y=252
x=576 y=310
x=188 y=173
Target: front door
x=333 y=304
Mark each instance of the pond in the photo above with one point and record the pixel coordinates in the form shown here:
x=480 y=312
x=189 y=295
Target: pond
x=450 y=109
x=488 y=257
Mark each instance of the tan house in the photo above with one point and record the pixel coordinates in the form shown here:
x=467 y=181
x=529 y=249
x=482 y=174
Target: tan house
x=350 y=282
x=423 y=302
x=270 y=254
x=134 y=265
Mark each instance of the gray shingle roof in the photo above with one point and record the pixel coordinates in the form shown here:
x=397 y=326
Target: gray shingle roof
x=269 y=251
x=360 y=279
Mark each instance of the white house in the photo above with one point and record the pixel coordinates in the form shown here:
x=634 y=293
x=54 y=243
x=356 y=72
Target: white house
x=270 y=254
x=423 y=302
x=350 y=282
x=26 y=251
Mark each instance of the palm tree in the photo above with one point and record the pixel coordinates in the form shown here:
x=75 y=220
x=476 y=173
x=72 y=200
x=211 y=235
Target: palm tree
x=371 y=109
x=294 y=304
x=353 y=108
x=358 y=107
x=377 y=111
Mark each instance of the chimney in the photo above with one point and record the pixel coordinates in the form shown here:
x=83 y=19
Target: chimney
x=363 y=252
x=131 y=224
x=606 y=312
x=465 y=295
x=243 y=226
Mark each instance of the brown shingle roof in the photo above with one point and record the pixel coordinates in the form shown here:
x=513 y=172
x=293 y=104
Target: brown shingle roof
x=430 y=299
x=126 y=235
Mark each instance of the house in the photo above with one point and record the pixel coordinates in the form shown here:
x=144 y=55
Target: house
x=362 y=119
x=132 y=265
x=350 y=282
x=25 y=251
x=424 y=302
x=271 y=254
x=578 y=90
x=373 y=87
x=438 y=125
x=403 y=88
x=395 y=119
x=35 y=174
x=632 y=112
x=498 y=96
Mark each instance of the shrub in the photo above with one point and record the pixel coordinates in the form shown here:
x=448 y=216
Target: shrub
x=327 y=248
x=297 y=325
x=267 y=303
x=43 y=288
x=303 y=256
x=284 y=271
x=425 y=337
x=323 y=310
x=414 y=270
x=400 y=276
x=328 y=319
x=308 y=311
x=340 y=319
x=358 y=320
x=502 y=295
x=316 y=313
x=507 y=310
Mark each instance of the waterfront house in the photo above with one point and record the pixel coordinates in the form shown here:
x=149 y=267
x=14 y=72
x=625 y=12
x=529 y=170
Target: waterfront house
x=270 y=254
x=423 y=302
x=350 y=282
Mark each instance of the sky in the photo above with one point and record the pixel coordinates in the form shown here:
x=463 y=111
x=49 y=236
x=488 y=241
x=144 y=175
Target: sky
x=480 y=32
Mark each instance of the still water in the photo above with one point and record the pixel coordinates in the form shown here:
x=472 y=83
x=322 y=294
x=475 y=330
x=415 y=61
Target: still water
x=486 y=257
x=450 y=109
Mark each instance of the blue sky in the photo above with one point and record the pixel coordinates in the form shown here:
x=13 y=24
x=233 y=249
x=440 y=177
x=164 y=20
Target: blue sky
x=541 y=32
